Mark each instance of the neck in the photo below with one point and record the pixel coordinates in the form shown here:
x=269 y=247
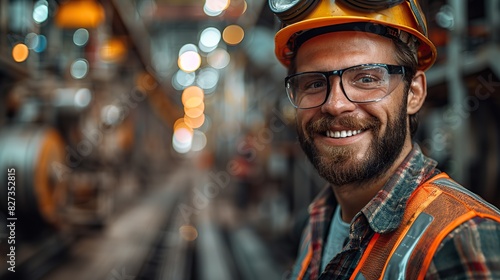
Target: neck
x=353 y=197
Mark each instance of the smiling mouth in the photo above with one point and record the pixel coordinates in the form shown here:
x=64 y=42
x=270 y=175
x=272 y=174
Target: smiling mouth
x=342 y=133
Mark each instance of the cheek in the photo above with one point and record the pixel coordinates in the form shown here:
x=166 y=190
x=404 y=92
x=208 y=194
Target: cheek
x=392 y=116
x=303 y=117
x=384 y=113
x=391 y=109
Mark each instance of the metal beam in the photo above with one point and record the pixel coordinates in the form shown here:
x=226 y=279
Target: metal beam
x=457 y=90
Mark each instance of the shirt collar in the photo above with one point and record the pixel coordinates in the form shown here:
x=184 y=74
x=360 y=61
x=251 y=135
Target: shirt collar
x=324 y=200
x=385 y=211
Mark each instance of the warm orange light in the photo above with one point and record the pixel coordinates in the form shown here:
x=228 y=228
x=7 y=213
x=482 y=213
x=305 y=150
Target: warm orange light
x=20 y=52
x=146 y=81
x=188 y=232
x=195 y=122
x=113 y=50
x=193 y=102
x=194 y=112
x=180 y=123
x=192 y=92
x=233 y=34
x=80 y=14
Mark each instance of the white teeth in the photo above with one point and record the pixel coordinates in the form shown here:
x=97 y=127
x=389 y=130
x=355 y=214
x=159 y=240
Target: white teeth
x=342 y=134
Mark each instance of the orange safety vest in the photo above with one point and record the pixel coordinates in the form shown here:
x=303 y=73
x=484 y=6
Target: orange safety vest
x=433 y=210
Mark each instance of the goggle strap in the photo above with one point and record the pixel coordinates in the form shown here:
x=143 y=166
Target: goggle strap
x=378 y=29
x=417 y=12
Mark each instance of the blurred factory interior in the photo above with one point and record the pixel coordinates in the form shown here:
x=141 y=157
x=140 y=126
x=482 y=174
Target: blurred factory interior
x=153 y=139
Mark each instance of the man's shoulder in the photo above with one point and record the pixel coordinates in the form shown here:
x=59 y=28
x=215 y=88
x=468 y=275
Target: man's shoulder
x=471 y=250
x=471 y=229
x=476 y=231
x=459 y=195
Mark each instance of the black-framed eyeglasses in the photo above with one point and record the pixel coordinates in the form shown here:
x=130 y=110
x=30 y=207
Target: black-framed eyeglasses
x=360 y=84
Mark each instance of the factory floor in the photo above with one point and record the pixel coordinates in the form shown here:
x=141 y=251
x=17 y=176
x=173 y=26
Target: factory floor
x=185 y=226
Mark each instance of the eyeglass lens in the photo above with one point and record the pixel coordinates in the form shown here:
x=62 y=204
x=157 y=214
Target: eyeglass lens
x=367 y=83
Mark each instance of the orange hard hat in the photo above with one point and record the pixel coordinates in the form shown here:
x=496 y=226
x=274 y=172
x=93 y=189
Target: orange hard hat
x=397 y=17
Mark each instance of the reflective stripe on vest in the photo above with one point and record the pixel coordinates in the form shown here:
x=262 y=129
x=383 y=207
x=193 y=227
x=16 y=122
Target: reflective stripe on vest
x=396 y=267
x=407 y=252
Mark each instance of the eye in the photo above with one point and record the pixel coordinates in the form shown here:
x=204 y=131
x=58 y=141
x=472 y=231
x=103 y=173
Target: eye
x=366 y=79
x=312 y=84
x=316 y=84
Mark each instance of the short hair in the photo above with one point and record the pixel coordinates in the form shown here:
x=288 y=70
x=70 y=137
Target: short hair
x=407 y=57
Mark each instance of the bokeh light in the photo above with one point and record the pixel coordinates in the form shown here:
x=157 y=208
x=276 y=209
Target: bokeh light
x=194 y=122
x=182 y=137
x=194 y=111
x=113 y=50
x=199 y=140
x=245 y=6
x=182 y=79
x=110 y=115
x=31 y=40
x=78 y=14
x=41 y=11
x=41 y=44
x=81 y=37
x=79 y=68
x=182 y=140
x=207 y=124
x=20 y=52
x=192 y=92
x=83 y=97
x=188 y=47
x=219 y=58
x=207 y=78
x=209 y=12
x=215 y=7
x=209 y=39
x=233 y=34
x=188 y=232
x=194 y=102
x=189 y=61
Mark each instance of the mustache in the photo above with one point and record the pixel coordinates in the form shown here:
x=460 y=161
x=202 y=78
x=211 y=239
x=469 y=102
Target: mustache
x=325 y=123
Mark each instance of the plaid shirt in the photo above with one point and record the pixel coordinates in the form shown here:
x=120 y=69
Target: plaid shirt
x=471 y=251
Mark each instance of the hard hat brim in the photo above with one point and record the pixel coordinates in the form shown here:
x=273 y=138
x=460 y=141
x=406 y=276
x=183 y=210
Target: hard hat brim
x=427 y=52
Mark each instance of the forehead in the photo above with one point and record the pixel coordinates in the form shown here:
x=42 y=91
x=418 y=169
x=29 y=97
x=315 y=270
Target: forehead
x=338 y=50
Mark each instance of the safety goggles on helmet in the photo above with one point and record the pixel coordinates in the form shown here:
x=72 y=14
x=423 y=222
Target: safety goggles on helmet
x=399 y=19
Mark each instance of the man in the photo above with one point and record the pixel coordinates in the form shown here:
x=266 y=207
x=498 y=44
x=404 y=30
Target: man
x=356 y=77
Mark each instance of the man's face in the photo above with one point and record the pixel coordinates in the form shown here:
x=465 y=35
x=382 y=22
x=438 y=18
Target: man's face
x=378 y=131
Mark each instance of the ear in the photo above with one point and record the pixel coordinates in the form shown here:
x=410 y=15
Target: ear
x=417 y=93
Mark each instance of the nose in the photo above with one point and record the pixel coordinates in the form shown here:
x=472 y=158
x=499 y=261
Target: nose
x=337 y=102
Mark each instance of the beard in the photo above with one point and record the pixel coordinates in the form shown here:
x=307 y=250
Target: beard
x=340 y=165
